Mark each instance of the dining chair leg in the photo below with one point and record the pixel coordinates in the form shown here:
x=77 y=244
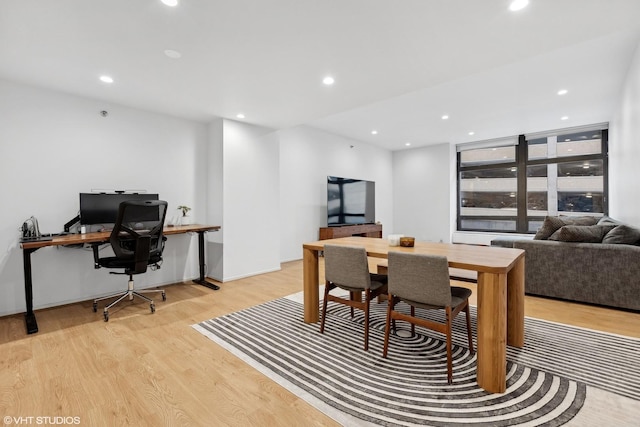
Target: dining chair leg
x=327 y=288
x=352 y=296
x=469 y=334
x=449 y=356
x=367 y=298
x=393 y=321
x=387 y=327
x=413 y=325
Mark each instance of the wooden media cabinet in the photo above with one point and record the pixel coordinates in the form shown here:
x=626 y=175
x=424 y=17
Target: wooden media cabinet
x=363 y=230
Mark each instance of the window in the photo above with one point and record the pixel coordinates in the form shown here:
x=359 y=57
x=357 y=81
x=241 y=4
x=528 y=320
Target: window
x=510 y=185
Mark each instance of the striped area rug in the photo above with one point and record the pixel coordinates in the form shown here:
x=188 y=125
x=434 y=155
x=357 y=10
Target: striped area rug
x=563 y=375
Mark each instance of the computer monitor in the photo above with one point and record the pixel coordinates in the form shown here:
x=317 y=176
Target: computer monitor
x=102 y=208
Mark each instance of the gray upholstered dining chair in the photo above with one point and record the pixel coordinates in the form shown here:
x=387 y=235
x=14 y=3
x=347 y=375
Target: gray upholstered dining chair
x=346 y=267
x=422 y=280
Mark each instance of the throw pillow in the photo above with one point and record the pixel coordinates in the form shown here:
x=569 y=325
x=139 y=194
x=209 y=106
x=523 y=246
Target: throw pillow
x=581 y=233
x=549 y=226
x=552 y=223
x=608 y=220
x=623 y=235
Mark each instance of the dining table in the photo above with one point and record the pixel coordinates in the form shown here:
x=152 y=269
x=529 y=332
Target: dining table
x=500 y=294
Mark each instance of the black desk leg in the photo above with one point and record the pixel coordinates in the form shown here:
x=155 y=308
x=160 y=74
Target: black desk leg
x=202 y=280
x=29 y=316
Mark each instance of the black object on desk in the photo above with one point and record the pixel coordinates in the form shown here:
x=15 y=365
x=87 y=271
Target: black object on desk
x=41 y=238
x=71 y=223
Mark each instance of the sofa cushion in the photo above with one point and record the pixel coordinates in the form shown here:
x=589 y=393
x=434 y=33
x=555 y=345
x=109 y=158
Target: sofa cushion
x=582 y=233
x=623 y=235
x=552 y=223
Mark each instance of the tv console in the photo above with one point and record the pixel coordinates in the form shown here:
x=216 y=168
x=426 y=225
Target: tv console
x=364 y=230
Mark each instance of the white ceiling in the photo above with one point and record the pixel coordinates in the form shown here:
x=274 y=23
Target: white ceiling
x=399 y=65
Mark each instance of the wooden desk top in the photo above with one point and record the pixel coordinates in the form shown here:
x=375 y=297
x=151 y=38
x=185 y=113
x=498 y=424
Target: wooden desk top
x=103 y=236
x=488 y=259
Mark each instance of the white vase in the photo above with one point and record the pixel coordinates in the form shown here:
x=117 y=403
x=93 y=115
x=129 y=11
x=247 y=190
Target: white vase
x=394 y=239
x=185 y=220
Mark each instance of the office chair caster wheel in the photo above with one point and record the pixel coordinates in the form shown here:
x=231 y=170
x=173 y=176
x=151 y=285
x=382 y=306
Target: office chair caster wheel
x=164 y=296
x=95 y=307
x=152 y=306
x=106 y=316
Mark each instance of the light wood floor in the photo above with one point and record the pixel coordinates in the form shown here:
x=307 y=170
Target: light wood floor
x=153 y=369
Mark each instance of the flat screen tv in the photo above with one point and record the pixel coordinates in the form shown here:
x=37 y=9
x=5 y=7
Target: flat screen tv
x=102 y=208
x=350 y=201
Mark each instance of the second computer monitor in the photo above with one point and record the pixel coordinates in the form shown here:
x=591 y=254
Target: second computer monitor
x=102 y=208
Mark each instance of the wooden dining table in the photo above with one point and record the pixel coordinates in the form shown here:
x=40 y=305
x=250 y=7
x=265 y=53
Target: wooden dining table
x=500 y=294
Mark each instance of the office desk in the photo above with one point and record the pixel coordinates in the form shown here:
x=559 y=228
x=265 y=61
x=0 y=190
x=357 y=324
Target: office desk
x=500 y=294
x=100 y=237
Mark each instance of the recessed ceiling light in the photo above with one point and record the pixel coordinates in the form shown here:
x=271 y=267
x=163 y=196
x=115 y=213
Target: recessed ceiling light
x=172 y=3
x=518 y=5
x=106 y=79
x=408 y=144
x=564 y=118
x=472 y=133
x=240 y=116
x=562 y=92
x=173 y=54
x=328 y=80
x=374 y=132
x=445 y=117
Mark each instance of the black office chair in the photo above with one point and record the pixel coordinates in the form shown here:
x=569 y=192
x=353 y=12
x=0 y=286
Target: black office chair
x=137 y=242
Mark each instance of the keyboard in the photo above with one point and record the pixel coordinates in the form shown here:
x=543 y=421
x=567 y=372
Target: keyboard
x=42 y=237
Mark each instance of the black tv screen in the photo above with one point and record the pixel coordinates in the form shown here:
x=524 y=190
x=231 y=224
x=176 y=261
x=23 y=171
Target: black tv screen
x=102 y=208
x=350 y=201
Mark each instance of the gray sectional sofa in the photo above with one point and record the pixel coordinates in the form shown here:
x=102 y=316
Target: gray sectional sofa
x=568 y=262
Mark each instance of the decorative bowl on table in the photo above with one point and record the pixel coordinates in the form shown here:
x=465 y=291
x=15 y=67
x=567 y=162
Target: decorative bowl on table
x=407 y=242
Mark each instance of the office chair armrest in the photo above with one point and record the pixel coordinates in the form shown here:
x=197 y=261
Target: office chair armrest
x=143 y=245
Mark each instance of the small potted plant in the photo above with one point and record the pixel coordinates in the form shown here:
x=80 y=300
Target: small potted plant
x=185 y=219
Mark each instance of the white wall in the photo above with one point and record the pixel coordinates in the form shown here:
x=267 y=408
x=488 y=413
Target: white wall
x=54 y=146
x=250 y=200
x=624 y=150
x=422 y=192
x=214 y=196
x=307 y=157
